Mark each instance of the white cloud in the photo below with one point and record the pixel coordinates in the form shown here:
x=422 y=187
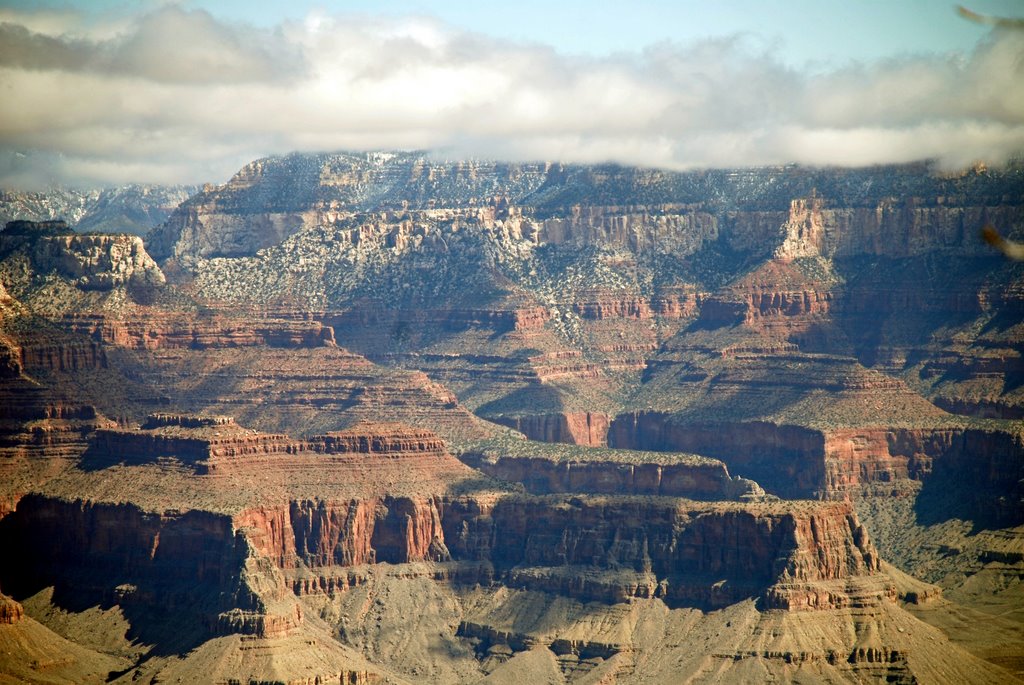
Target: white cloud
x=175 y=95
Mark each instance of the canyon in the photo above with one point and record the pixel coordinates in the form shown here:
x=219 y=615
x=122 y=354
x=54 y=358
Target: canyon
x=371 y=418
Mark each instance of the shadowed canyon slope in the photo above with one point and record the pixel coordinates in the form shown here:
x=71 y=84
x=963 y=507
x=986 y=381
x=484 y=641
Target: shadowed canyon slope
x=386 y=418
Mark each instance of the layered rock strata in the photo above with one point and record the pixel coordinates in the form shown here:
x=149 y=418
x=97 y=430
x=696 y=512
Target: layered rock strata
x=792 y=460
x=305 y=390
x=606 y=549
x=41 y=434
x=217 y=445
x=893 y=211
x=388 y=494
x=723 y=313
x=668 y=548
x=89 y=262
x=609 y=472
x=162 y=329
x=575 y=428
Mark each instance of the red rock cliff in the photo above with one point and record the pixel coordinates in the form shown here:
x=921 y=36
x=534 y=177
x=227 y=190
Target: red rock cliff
x=709 y=555
x=348 y=533
x=623 y=473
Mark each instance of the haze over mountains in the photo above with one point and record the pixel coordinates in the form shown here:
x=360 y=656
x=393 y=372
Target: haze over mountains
x=381 y=417
x=132 y=208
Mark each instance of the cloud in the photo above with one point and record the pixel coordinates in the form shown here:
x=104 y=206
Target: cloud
x=176 y=95
x=170 y=45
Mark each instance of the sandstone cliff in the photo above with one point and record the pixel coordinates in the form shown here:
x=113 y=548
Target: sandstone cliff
x=569 y=259
x=626 y=546
x=796 y=461
x=810 y=330
x=90 y=262
x=894 y=210
x=542 y=470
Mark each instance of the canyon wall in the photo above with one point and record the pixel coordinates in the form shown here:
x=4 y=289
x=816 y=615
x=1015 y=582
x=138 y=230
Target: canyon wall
x=894 y=211
x=318 y=533
x=624 y=473
x=219 y=446
x=583 y=428
x=90 y=262
x=161 y=329
x=793 y=461
x=174 y=561
x=785 y=460
x=688 y=554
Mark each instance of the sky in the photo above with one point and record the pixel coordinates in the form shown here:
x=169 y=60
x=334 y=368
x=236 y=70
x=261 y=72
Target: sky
x=104 y=92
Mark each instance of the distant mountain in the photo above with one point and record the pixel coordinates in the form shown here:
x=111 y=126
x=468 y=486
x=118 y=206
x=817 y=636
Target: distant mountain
x=125 y=209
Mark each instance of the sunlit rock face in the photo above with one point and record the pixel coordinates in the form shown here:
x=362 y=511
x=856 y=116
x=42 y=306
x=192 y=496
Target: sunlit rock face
x=386 y=418
x=90 y=262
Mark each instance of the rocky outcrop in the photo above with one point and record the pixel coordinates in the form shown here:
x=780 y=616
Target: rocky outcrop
x=978 y=380
x=126 y=538
x=89 y=262
x=307 y=390
x=132 y=208
x=795 y=461
x=262 y=505
x=582 y=428
x=974 y=472
x=978 y=473
x=217 y=445
x=194 y=566
x=322 y=533
x=157 y=329
x=156 y=559
x=618 y=472
x=11 y=612
x=41 y=434
x=33 y=417
x=606 y=549
x=63 y=357
x=46 y=350
x=300 y=191
x=804 y=232
x=674 y=228
x=794 y=212
x=197 y=446
x=779 y=300
x=893 y=227
x=786 y=460
x=56 y=203
x=204 y=232
x=685 y=553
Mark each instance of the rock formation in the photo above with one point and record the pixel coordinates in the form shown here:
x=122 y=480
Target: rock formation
x=542 y=471
x=518 y=421
x=90 y=262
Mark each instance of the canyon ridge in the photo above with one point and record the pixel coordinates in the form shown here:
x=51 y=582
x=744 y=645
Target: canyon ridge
x=390 y=418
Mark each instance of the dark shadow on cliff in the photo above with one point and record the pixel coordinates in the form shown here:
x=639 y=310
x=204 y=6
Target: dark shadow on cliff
x=899 y=302
x=168 y=603
x=942 y=499
x=175 y=626
x=526 y=401
x=482 y=483
x=166 y=631
x=970 y=492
